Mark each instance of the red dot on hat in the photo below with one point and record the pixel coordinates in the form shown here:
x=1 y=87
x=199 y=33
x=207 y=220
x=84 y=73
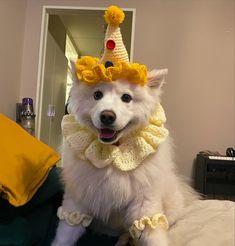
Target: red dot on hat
x=110 y=44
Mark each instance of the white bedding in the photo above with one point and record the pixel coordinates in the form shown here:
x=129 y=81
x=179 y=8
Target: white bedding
x=205 y=222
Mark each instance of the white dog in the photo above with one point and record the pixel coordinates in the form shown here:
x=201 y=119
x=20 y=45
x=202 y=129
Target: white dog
x=114 y=111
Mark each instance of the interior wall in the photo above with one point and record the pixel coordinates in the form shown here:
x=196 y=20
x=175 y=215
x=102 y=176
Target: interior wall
x=57 y=30
x=12 y=22
x=195 y=40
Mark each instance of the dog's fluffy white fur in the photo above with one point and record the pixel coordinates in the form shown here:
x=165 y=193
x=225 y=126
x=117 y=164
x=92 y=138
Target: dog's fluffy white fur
x=113 y=197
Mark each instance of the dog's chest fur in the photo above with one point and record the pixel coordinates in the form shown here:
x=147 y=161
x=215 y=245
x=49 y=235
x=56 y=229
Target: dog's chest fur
x=107 y=193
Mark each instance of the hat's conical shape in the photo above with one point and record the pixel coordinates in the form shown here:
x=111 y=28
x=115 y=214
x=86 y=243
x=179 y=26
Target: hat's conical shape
x=114 y=48
x=114 y=64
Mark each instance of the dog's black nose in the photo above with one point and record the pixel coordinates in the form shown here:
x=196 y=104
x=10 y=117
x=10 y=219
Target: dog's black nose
x=107 y=117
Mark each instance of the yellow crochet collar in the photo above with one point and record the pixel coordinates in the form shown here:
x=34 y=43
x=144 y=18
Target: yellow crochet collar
x=131 y=151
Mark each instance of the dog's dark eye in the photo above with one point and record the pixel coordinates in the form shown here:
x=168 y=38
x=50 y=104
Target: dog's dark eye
x=98 y=95
x=126 y=98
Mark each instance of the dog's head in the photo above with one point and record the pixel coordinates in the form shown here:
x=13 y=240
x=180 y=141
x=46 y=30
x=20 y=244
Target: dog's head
x=115 y=109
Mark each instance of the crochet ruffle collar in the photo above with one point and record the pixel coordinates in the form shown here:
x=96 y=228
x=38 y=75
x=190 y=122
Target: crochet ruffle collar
x=132 y=149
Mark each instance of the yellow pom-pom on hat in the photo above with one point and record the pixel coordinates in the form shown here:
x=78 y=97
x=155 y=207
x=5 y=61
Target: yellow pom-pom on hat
x=114 y=16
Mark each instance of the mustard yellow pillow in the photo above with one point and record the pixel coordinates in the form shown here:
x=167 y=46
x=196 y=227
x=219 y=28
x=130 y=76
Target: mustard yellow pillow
x=24 y=162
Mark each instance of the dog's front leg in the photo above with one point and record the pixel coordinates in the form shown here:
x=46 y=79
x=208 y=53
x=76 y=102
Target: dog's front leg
x=155 y=237
x=152 y=237
x=72 y=224
x=67 y=235
x=149 y=224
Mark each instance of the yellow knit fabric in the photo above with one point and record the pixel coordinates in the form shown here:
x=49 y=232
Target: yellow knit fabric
x=157 y=220
x=24 y=163
x=74 y=218
x=114 y=16
x=91 y=72
x=131 y=151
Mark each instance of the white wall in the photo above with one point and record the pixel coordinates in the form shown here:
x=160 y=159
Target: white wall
x=12 y=20
x=195 y=40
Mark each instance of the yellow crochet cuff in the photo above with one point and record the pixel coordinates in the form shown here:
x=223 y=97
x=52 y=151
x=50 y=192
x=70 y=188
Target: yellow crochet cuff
x=157 y=220
x=74 y=218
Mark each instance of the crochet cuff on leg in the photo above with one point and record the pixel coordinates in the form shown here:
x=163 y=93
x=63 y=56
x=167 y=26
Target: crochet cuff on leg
x=138 y=226
x=74 y=218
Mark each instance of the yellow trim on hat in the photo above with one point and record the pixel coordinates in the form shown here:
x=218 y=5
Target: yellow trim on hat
x=90 y=71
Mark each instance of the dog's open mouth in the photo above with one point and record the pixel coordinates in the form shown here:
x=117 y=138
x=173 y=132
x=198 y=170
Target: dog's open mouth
x=107 y=135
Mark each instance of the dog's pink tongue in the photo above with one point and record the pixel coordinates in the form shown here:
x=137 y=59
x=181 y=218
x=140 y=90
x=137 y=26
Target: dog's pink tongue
x=107 y=133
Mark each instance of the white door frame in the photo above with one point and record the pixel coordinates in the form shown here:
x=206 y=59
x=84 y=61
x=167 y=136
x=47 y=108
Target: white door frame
x=47 y=10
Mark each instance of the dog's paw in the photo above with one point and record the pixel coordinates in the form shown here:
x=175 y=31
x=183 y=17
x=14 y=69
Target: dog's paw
x=156 y=237
x=54 y=243
x=125 y=240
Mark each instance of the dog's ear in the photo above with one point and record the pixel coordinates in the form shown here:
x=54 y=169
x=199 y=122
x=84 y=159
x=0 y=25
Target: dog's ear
x=156 y=78
x=73 y=70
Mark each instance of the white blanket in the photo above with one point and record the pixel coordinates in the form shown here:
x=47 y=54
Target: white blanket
x=206 y=222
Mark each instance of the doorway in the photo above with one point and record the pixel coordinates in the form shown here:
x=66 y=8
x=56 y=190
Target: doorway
x=68 y=33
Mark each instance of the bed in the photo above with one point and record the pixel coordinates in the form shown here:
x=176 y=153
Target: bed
x=205 y=222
